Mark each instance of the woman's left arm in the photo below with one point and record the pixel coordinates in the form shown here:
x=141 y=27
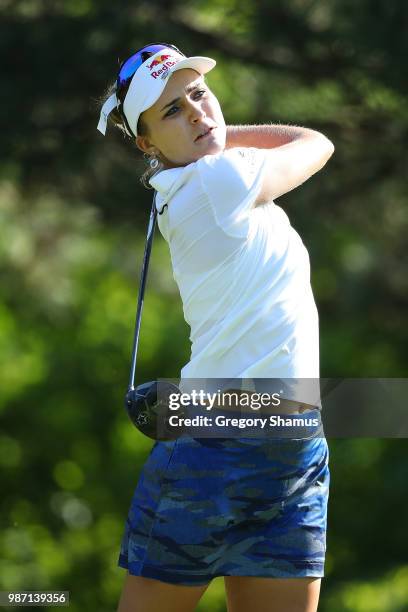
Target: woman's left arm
x=293 y=155
x=263 y=136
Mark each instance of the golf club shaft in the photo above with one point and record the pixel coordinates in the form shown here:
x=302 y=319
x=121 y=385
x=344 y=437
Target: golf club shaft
x=143 y=277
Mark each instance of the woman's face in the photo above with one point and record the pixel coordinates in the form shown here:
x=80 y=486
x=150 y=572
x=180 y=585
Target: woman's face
x=175 y=123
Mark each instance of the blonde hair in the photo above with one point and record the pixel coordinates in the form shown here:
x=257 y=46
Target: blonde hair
x=116 y=119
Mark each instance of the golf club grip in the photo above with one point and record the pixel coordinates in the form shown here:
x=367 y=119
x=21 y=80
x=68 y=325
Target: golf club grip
x=143 y=277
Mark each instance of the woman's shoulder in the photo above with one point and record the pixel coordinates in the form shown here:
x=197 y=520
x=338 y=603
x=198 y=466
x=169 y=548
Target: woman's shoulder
x=234 y=155
x=237 y=162
x=229 y=173
x=233 y=169
x=231 y=180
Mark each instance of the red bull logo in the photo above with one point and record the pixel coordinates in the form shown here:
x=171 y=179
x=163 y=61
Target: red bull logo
x=158 y=60
x=164 y=61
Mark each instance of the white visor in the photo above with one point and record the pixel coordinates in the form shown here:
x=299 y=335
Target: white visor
x=148 y=84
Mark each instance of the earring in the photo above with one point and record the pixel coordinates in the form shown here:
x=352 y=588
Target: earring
x=153 y=161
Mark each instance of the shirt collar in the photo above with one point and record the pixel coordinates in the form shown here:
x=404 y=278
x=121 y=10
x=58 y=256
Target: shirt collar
x=165 y=180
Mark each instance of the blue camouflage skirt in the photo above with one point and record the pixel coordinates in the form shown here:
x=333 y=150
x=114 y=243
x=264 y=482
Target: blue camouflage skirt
x=229 y=507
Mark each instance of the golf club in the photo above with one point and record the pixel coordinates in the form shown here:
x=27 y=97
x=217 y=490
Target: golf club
x=147 y=404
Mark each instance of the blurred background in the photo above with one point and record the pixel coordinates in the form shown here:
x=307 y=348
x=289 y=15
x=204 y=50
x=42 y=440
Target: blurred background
x=73 y=219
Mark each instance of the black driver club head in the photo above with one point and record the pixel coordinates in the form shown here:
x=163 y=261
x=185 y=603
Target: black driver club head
x=148 y=408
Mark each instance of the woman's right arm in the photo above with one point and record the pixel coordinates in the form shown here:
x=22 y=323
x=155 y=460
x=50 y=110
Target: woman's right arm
x=294 y=154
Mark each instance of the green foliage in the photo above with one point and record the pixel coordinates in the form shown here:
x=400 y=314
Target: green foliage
x=73 y=220
x=388 y=594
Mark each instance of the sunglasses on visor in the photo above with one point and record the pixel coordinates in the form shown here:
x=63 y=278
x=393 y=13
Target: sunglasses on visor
x=130 y=66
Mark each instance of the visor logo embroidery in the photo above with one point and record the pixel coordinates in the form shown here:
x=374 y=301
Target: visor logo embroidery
x=159 y=60
x=165 y=62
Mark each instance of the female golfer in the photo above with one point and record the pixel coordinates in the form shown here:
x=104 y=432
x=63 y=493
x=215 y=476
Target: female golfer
x=251 y=510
